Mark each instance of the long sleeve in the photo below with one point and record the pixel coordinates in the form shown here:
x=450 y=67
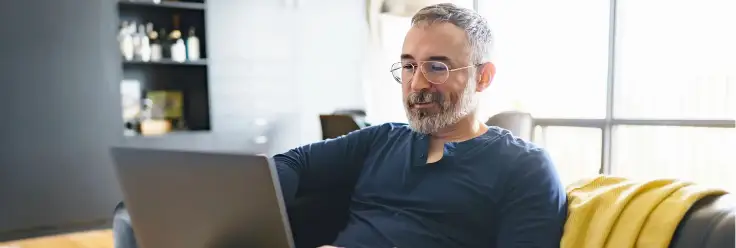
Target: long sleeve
x=324 y=164
x=534 y=208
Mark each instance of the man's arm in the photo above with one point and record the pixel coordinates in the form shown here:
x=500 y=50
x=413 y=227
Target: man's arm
x=534 y=208
x=323 y=164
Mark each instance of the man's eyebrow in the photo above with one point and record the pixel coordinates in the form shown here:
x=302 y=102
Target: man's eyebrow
x=431 y=58
x=439 y=58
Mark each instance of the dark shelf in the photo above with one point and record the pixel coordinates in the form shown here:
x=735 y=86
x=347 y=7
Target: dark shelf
x=201 y=62
x=165 y=4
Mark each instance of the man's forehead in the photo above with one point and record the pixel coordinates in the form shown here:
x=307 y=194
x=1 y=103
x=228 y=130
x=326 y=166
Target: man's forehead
x=436 y=39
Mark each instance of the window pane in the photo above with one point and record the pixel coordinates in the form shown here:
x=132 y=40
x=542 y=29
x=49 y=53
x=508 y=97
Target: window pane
x=576 y=151
x=551 y=56
x=705 y=155
x=681 y=53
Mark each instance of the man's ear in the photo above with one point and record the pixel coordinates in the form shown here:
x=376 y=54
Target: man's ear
x=486 y=72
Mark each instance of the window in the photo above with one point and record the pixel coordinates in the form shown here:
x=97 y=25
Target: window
x=675 y=60
x=704 y=155
x=551 y=56
x=649 y=92
x=681 y=53
x=576 y=151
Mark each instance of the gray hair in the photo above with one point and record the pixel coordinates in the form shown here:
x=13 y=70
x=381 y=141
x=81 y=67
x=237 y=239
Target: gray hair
x=475 y=26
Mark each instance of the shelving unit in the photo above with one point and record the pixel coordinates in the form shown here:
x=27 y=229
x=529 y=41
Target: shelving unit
x=187 y=79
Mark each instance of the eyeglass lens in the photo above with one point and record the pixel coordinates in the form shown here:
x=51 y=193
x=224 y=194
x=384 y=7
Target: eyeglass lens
x=434 y=71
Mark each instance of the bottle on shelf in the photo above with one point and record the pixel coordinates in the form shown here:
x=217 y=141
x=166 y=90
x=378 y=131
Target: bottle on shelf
x=192 y=45
x=178 y=48
x=121 y=35
x=137 y=41
x=153 y=37
x=127 y=45
x=165 y=43
x=145 y=46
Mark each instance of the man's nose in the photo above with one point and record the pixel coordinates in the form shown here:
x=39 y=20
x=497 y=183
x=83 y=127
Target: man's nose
x=419 y=81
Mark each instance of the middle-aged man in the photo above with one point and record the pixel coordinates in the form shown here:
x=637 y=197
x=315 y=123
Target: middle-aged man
x=445 y=179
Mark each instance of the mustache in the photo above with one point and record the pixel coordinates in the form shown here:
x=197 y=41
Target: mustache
x=424 y=97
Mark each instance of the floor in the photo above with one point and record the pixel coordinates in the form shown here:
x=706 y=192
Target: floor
x=90 y=239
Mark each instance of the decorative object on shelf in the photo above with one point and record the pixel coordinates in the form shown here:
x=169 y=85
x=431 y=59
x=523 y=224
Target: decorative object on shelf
x=155 y=127
x=192 y=45
x=125 y=36
x=144 y=44
x=178 y=49
x=168 y=105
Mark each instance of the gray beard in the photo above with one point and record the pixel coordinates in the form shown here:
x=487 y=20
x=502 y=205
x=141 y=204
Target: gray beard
x=449 y=114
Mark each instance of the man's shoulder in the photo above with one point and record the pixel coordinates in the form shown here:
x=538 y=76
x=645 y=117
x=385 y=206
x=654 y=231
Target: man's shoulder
x=517 y=153
x=524 y=164
x=502 y=142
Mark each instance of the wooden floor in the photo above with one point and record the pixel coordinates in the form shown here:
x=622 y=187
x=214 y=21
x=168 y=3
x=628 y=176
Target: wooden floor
x=90 y=239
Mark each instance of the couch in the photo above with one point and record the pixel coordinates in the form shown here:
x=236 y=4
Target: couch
x=317 y=217
x=316 y=220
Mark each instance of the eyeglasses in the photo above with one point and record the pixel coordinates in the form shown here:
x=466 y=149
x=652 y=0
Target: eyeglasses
x=435 y=72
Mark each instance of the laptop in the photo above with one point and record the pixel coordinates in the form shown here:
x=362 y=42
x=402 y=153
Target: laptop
x=188 y=199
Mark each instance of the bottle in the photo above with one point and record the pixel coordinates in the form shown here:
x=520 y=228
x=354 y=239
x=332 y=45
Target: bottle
x=192 y=45
x=178 y=48
x=145 y=47
x=137 y=31
x=121 y=35
x=165 y=43
x=127 y=44
x=156 y=50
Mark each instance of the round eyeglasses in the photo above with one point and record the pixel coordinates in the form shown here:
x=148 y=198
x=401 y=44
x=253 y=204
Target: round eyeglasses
x=435 y=72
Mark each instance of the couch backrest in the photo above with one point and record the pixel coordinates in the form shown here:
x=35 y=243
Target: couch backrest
x=710 y=223
x=519 y=123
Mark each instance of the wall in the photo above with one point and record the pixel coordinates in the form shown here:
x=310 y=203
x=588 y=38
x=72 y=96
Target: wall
x=285 y=62
x=282 y=63
x=60 y=114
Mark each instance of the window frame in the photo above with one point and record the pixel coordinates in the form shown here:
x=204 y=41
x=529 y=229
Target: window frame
x=609 y=123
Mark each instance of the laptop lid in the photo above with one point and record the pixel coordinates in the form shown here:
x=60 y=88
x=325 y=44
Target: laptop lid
x=190 y=199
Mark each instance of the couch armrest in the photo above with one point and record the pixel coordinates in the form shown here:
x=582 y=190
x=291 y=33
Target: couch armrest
x=708 y=224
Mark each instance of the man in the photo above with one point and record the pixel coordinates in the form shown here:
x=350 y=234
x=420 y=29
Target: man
x=445 y=179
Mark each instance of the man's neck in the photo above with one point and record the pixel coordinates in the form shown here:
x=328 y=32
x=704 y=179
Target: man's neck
x=467 y=128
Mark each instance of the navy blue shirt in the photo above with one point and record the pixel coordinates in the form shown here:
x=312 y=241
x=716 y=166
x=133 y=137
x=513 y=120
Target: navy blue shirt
x=495 y=190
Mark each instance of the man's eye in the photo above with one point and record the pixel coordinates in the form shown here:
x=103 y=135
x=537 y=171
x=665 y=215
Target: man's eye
x=437 y=67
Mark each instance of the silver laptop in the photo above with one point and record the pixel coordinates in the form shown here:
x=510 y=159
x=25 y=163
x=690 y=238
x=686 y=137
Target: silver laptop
x=202 y=200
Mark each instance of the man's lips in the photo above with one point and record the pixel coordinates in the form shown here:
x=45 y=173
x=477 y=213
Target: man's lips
x=423 y=105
